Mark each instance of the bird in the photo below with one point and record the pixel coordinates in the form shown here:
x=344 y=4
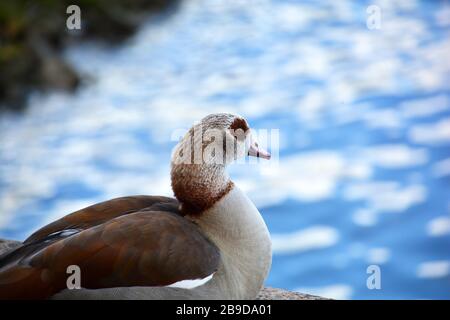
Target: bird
x=209 y=241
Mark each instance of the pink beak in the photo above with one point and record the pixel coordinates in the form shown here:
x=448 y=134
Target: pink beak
x=255 y=151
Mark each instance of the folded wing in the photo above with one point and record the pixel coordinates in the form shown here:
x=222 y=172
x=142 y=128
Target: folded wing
x=153 y=246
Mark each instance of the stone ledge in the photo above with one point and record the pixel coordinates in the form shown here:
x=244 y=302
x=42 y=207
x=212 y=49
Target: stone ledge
x=268 y=293
x=7 y=245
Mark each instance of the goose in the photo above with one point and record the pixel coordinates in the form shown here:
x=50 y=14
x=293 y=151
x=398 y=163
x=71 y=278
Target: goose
x=209 y=242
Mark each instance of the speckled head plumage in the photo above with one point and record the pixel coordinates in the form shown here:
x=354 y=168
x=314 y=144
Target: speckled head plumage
x=217 y=139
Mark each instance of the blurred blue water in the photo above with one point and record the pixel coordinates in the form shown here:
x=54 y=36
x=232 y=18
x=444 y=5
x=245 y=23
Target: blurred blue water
x=364 y=120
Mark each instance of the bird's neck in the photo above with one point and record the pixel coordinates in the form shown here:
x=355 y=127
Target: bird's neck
x=199 y=186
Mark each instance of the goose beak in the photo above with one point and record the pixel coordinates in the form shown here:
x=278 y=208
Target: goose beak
x=255 y=151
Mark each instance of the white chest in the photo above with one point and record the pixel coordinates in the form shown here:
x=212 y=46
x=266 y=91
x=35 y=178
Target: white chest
x=235 y=225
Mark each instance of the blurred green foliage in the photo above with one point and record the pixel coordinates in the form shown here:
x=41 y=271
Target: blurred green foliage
x=32 y=33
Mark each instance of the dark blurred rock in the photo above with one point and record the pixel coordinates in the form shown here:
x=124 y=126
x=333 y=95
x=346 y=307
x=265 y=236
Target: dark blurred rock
x=33 y=34
x=55 y=73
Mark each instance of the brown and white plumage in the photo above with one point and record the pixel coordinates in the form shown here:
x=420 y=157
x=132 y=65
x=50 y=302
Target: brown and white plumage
x=118 y=243
x=141 y=246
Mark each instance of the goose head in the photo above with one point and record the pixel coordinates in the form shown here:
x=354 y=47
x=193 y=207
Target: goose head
x=199 y=160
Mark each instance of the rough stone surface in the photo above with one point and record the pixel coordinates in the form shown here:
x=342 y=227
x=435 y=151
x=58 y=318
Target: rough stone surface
x=7 y=245
x=268 y=293
x=265 y=294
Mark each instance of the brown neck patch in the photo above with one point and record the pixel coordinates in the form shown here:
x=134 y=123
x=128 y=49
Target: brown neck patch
x=199 y=187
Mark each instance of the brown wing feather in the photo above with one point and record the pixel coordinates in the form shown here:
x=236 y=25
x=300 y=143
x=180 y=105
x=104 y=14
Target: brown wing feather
x=146 y=248
x=104 y=211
